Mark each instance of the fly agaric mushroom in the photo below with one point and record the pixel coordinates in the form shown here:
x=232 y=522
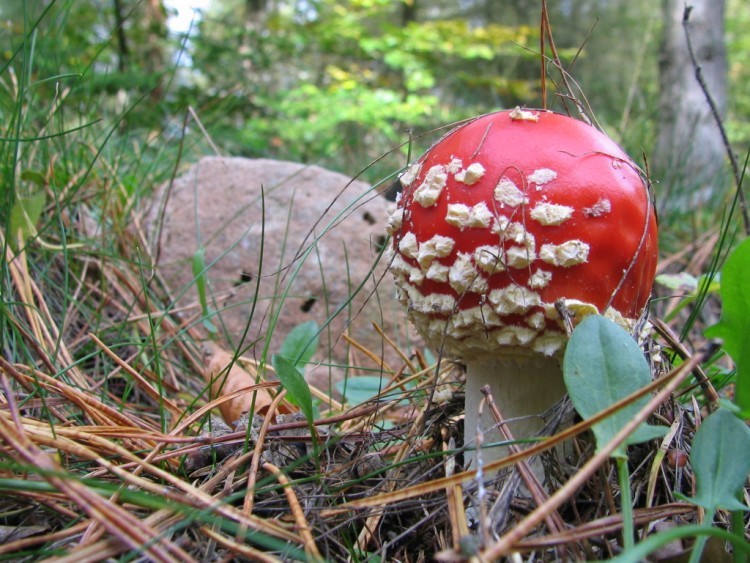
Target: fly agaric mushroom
x=505 y=222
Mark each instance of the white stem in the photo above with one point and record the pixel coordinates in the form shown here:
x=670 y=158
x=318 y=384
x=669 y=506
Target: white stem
x=523 y=388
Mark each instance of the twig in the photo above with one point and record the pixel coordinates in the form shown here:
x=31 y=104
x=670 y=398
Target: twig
x=147 y=388
x=122 y=525
x=538 y=494
x=547 y=31
x=673 y=340
x=299 y=516
x=238 y=548
x=715 y=113
x=247 y=507
x=606 y=525
x=456 y=512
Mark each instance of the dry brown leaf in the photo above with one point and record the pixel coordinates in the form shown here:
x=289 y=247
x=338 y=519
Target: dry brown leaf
x=12 y=533
x=227 y=377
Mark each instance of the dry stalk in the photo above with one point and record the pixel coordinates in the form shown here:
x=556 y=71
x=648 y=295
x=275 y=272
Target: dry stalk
x=296 y=509
x=121 y=524
x=237 y=548
x=44 y=330
x=252 y=475
x=607 y=525
x=539 y=495
x=155 y=395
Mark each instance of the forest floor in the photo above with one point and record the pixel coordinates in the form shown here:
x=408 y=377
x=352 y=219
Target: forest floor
x=114 y=447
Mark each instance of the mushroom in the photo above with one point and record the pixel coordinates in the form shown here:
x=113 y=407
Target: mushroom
x=507 y=221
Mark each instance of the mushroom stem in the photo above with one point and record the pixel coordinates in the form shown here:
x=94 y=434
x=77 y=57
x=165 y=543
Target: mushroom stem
x=523 y=387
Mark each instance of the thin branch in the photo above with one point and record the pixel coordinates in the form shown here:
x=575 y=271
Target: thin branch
x=715 y=112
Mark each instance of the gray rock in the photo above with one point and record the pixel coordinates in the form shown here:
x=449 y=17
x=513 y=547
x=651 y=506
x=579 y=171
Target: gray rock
x=300 y=202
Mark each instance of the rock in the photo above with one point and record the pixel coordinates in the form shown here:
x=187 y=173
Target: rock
x=300 y=203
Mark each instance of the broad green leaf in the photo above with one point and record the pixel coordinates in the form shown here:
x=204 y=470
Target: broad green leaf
x=650 y=544
x=720 y=457
x=689 y=284
x=602 y=365
x=24 y=216
x=429 y=357
x=734 y=326
x=301 y=343
x=297 y=389
x=358 y=390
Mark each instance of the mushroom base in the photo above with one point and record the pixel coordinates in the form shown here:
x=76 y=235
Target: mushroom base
x=523 y=389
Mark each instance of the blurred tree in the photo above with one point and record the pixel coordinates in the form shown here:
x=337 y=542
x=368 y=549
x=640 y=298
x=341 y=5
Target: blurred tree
x=144 y=26
x=109 y=52
x=738 y=51
x=338 y=83
x=616 y=43
x=689 y=159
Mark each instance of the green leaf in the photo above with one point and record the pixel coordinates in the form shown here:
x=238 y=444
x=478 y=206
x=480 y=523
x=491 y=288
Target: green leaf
x=301 y=343
x=720 y=461
x=199 y=273
x=297 y=389
x=35 y=177
x=693 y=287
x=734 y=326
x=690 y=284
x=602 y=365
x=358 y=390
x=24 y=216
x=650 y=544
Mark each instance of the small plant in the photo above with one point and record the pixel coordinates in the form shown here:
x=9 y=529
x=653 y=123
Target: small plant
x=297 y=350
x=720 y=455
x=734 y=327
x=603 y=365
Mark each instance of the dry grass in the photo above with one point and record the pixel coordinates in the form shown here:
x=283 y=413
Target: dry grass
x=110 y=448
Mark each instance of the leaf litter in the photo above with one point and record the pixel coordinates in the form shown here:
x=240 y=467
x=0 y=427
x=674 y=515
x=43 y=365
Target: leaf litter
x=119 y=457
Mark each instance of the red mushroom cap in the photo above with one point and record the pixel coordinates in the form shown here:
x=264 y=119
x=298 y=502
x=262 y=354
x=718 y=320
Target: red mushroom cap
x=507 y=215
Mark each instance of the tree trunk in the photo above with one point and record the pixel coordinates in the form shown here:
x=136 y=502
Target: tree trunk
x=408 y=12
x=123 y=50
x=154 y=60
x=689 y=158
x=256 y=6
